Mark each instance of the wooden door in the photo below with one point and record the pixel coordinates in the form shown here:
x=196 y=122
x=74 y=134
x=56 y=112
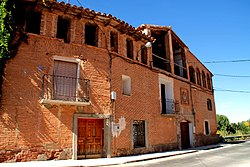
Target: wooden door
x=90 y=138
x=185 y=141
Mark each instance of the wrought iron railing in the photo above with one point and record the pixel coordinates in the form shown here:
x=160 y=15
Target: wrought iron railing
x=170 y=106
x=65 y=88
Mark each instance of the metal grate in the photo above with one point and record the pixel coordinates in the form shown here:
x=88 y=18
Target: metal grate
x=65 y=88
x=139 y=133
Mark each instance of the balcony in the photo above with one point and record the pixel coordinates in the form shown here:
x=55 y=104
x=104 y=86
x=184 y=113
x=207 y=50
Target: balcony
x=64 y=90
x=170 y=106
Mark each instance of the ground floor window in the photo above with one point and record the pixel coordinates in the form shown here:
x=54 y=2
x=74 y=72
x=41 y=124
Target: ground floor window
x=139 y=133
x=207 y=128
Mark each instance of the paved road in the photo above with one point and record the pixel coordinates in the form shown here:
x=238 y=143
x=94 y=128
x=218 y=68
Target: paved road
x=237 y=155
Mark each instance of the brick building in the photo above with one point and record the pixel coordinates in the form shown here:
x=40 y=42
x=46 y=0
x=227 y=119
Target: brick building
x=90 y=85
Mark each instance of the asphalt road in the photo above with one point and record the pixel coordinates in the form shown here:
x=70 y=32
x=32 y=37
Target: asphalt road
x=236 y=155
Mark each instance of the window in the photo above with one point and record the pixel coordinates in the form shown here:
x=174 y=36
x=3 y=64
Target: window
x=209 y=86
x=126 y=85
x=30 y=21
x=207 y=128
x=91 y=34
x=65 y=80
x=139 y=133
x=209 y=104
x=180 y=67
x=63 y=29
x=130 y=49
x=204 y=83
x=114 y=41
x=166 y=96
x=192 y=74
x=144 y=55
x=160 y=51
x=198 y=76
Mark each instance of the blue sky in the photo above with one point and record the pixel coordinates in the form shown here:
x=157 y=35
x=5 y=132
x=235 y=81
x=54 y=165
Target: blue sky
x=213 y=30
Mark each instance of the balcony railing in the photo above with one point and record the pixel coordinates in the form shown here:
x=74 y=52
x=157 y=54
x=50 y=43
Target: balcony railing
x=65 y=90
x=170 y=106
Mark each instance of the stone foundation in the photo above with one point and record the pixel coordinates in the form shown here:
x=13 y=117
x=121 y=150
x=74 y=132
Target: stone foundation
x=34 y=154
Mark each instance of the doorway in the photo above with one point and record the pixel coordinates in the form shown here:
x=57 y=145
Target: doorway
x=185 y=138
x=90 y=138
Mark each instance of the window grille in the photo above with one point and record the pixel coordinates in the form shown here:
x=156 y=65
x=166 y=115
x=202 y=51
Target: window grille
x=139 y=133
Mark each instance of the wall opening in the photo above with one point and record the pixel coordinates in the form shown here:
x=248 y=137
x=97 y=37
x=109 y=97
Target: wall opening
x=161 y=58
x=192 y=74
x=180 y=67
x=209 y=85
x=63 y=29
x=204 y=83
x=130 y=49
x=144 y=55
x=91 y=34
x=29 y=20
x=207 y=128
x=209 y=104
x=114 y=41
x=198 y=74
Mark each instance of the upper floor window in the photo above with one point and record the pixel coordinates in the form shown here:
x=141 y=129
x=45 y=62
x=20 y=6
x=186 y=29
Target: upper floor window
x=209 y=104
x=130 y=49
x=91 y=34
x=65 y=80
x=29 y=21
x=180 y=67
x=144 y=55
x=166 y=95
x=114 y=41
x=209 y=84
x=204 y=83
x=198 y=74
x=192 y=74
x=63 y=29
x=207 y=128
x=126 y=85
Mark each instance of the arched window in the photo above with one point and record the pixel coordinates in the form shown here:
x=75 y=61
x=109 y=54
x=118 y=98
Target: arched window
x=209 y=86
x=204 y=83
x=209 y=104
x=192 y=74
x=198 y=74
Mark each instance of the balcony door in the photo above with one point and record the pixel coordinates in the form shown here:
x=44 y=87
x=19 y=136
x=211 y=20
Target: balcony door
x=65 y=80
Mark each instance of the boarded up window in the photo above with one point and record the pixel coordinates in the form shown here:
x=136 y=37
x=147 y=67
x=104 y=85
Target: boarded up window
x=64 y=80
x=209 y=104
x=63 y=29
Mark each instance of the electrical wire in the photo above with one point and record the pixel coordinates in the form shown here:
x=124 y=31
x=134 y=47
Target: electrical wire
x=227 y=61
x=233 y=91
x=234 y=76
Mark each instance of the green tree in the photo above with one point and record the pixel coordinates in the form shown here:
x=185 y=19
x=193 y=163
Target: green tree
x=223 y=123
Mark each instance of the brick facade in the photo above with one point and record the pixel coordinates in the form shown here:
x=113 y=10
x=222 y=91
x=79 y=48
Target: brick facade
x=31 y=130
